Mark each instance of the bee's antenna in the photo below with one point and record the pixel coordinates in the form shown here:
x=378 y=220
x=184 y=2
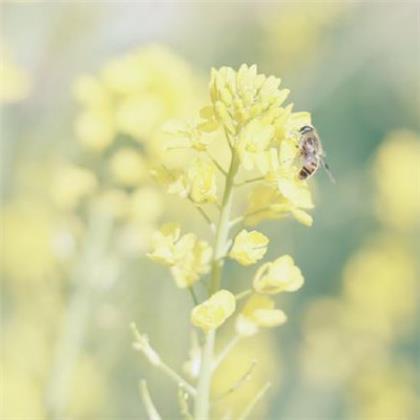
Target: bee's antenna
x=328 y=171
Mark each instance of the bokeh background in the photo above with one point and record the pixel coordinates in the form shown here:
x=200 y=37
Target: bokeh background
x=85 y=88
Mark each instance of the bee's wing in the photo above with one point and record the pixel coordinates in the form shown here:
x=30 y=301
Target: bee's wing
x=327 y=169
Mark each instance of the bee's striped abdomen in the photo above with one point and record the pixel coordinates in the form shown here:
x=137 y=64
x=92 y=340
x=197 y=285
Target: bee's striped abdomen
x=308 y=169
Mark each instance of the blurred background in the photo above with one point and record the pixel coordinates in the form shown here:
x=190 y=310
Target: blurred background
x=84 y=90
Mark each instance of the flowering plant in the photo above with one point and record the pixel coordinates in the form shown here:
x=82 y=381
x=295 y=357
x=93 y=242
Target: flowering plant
x=247 y=121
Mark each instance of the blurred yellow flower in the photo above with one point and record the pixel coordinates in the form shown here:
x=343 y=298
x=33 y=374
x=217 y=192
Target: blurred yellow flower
x=249 y=247
x=186 y=256
x=14 y=82
x=397 y=177
x=281 y=275
x=134 y=95
x=258 y=312
x=128 y=167
x=71 y=184
x=95 y=129
x=202 y=177
x=256 y=359
x=212 y=313
x=384 y=390
x=145 y=204
x=380 y=285
x=296 y=31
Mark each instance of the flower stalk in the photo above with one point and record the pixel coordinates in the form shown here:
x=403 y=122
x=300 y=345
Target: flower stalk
x=202 y=403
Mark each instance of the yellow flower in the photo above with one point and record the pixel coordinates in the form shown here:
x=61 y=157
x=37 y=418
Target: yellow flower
x=164 y=242
x=91 y=92
x=253 y=140
x=128 y=167
x=146 y=205
x=278 y=276
x=249 y=105
x=397 y=176
x=186 y=256
x=70 y=184
x=14 y=82
x=174 y=180
x=95 y=129
x=266 y=202
x=249 y=247
x=258 y=312
x=202 y=177
x=212 y=313
x=187 y=135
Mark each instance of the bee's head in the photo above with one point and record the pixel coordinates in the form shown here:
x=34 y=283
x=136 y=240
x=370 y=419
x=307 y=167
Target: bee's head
x=305 y=129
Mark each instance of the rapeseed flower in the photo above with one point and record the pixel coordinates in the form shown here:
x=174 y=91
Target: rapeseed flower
x=213 y=312
x=281 y=275
x=249 y=247
x=186 y=256
x=258 y=312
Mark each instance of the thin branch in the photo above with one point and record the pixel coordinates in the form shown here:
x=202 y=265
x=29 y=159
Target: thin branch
x=204 y=215
x=148 y=403
x=221 y=356
x=236 y=221
x=249 y=181
x=217 y=164
x=243 y=294
x=254 y=402
x=244 y=378
x=183 y=404
x=142 y=344
x=193 y=295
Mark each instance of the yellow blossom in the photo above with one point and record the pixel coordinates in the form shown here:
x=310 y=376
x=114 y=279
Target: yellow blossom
x=249 y=107
x=186 y=256
x=397 y=177
x=253 y=140
x=128 y=167
x=258 y=312
x=266 y=202
x=163 y=244
x=278 y=276
x=185 y=135
x=174 y=180
x=202 y=177
x=192 y=260
x=146 y=205
x=95 y=129
x=70 y=184
x=212 y=313
x=249 y=247
x=14 y=82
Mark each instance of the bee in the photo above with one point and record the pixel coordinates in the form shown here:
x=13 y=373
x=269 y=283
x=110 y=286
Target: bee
x=312 y=153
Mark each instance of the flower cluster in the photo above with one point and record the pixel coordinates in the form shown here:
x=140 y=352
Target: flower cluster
x=247 y=123
x=186 y=256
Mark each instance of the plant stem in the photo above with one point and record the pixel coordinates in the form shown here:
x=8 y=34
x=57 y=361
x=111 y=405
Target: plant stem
x=202 y=401
x=248 y=409
x=71 y=338
x=222 y=230
x=148 y=402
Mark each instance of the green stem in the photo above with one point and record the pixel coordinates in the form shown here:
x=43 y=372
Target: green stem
x=202 y=401
x=222 y=230
x=71 y=338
